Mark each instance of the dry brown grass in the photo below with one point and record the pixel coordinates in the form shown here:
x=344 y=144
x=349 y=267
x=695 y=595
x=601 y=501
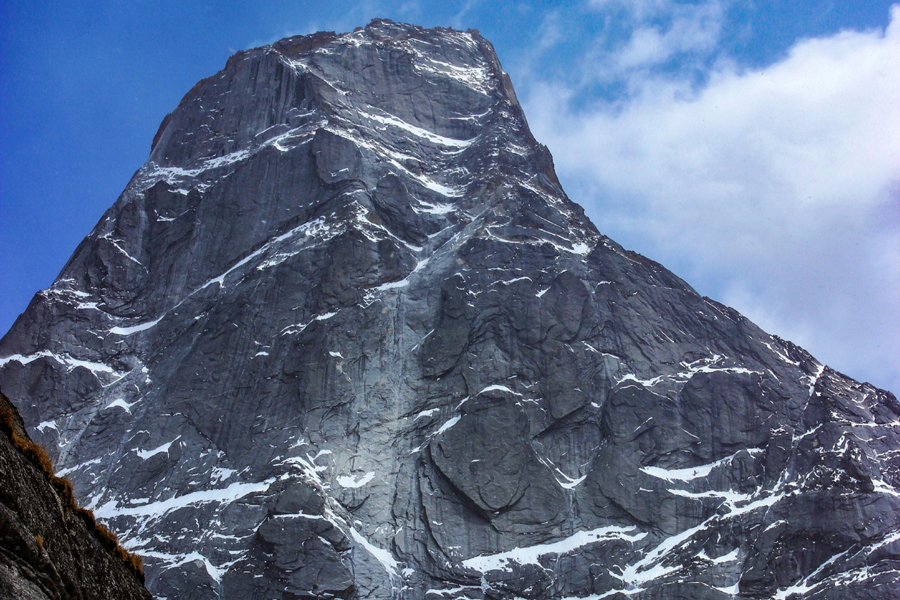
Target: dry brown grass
x=36 y=455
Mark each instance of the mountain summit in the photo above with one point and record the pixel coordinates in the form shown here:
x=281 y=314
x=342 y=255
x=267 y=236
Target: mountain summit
x=344 y=335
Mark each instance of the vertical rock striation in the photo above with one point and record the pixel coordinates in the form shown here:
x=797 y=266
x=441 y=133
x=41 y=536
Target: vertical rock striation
x=344 y=335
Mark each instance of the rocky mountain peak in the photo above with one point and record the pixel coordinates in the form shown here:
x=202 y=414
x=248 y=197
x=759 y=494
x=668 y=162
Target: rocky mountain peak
x=393 y=113
x=344 y=335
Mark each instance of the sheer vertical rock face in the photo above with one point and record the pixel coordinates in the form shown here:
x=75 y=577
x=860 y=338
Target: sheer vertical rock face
x=344 y=335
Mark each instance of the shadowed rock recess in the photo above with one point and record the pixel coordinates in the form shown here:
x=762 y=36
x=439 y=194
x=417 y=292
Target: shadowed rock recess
x=344 y=335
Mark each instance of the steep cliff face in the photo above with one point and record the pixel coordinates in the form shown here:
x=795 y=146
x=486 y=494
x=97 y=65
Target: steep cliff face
x=344 y=335
x=49 y=549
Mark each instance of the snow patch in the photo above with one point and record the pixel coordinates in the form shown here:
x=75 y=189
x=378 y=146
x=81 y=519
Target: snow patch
x=135 y=328
x=176 y=560
x=225 y=495
x=220 y=474
x=418 y=131
x=119 y=403
x=164 y=449
x=68 y=361
x=570 y=483
x=532 y=554
x=498 y=388
x=680 y=474
x=403 y=282
x=581 y=248
x=703 y=365
x=426 y=413
x=692 y=473
x=433 y=209
x=726 y=558
x=383 y=556
x=447 y=425
x=66 y=471
x=348 y=481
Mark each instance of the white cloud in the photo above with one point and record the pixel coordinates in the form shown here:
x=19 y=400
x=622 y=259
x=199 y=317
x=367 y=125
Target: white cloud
x=458 y=20
x=639 y=9
x=775 y=190
x=551 y=31
x=695 y=30
x=657 y=30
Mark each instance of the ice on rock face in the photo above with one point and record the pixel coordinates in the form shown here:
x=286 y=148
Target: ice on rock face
x=691 y=473
x=63 y=359
x=427 y=413
x=498 y=388
x=533 y=554
x=221 y=496
x=346 y=336
x=163 y=449
x=120 y=403
x=450 y=423
x=135 y=328
x=418 y=131
x=46 y=425
x=381 y=555
x=351 y=482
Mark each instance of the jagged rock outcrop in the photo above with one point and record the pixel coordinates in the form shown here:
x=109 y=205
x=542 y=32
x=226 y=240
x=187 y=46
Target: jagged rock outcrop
x=49 y=549
x=344 y=335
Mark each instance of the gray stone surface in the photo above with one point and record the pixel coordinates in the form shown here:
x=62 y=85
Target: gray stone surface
x=47 y=550
x=344 y=335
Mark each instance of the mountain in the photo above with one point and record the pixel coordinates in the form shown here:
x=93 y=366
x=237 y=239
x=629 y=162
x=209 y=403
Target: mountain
x=49 y=548
x=344 y=335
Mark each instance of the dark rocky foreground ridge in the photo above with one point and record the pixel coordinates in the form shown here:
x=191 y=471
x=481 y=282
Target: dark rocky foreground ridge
x=344 y=335
x=49 y=548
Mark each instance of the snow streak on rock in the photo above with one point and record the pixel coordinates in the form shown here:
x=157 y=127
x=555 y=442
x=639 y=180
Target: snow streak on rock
x=344 y=335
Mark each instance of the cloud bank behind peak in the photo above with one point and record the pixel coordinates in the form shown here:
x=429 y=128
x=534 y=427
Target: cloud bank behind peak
x=775 y=190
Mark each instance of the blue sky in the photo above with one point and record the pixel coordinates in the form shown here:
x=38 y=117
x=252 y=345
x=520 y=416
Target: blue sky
x=751 y=146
